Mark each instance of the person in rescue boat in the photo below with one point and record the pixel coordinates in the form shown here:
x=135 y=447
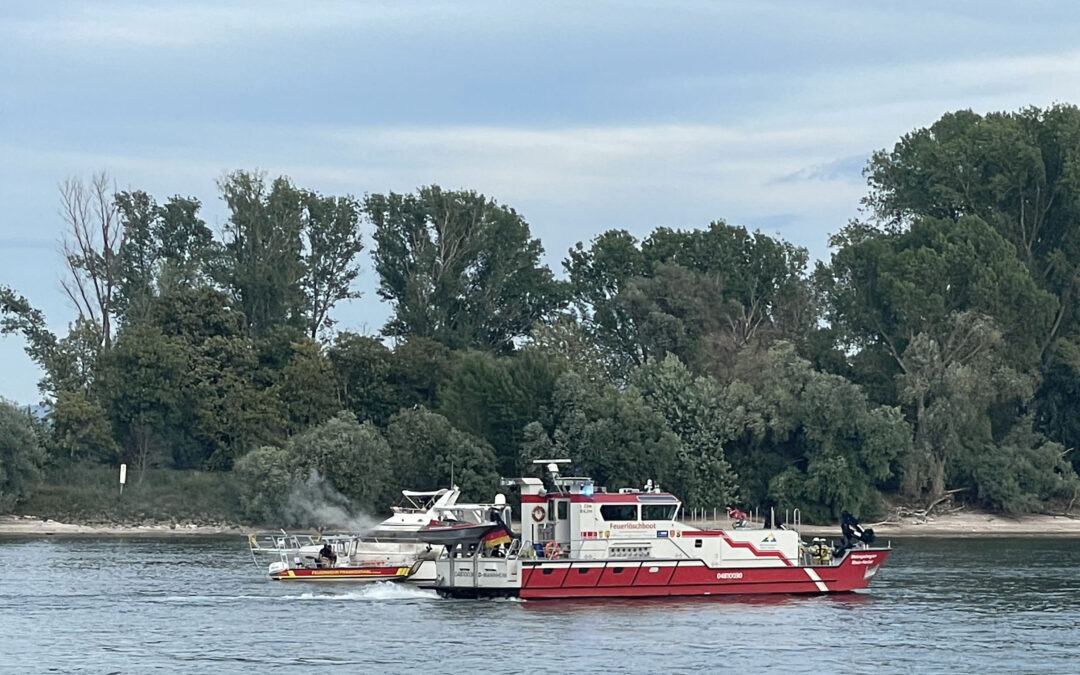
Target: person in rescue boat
x=327 y=557
x=820 y=551
x=737 y=516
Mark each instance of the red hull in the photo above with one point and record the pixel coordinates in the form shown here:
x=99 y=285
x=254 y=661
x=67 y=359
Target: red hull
x=544 y=580
x=342 y=574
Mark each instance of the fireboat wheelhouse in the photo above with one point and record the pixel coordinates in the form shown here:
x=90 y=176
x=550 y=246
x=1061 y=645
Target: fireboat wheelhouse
x=579 y=541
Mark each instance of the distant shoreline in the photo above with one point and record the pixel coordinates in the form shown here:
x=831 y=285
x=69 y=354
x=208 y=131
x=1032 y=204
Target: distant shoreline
x=29 y=526
x=961 y=524
x=966 y=524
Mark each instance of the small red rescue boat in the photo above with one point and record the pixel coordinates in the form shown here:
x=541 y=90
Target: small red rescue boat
x=364 y=573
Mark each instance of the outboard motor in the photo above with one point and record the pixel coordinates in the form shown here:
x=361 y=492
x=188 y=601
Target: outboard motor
x=853 y=532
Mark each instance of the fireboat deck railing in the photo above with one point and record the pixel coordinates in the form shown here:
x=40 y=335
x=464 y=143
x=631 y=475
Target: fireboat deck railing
x=716 y=517
x=526 y=550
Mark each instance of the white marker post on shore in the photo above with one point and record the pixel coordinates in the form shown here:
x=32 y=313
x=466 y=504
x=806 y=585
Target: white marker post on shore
x=123 y=477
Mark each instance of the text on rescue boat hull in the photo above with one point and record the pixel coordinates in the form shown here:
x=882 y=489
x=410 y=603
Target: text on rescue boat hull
x=342 y=574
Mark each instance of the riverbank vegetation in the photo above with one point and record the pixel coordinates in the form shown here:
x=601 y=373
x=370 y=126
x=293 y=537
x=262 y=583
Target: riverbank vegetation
x=937 y=353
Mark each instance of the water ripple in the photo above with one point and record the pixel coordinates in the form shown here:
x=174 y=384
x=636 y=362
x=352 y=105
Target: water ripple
x=195 y=605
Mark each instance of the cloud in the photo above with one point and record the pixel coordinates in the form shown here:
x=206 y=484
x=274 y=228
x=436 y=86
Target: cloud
x=187 y=24
x=844 y=169
x=772 y=222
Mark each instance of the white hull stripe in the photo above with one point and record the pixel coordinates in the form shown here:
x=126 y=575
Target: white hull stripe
x=816 y=579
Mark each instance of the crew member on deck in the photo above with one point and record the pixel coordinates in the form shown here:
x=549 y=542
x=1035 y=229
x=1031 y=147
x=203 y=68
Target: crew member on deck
x=327 y=557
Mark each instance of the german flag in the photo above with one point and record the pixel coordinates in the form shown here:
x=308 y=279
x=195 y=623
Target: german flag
x=496 y=536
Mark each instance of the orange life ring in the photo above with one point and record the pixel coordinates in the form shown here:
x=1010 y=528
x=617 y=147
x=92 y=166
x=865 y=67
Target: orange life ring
x=552 y=549
x=538 y=513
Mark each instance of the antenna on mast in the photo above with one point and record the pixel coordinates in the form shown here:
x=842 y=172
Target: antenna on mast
x=553 y=469
x=552 y=464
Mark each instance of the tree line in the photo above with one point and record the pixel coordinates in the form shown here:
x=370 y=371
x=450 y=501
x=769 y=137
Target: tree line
x=937 y=351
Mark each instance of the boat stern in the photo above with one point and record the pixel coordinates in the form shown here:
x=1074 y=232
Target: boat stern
x=478 y=576
x=855 y=570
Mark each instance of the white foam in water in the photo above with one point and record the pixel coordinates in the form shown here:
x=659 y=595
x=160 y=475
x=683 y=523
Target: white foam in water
x=207 y=599
x=379 y=590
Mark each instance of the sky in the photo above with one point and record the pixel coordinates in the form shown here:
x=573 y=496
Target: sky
x=583 y=116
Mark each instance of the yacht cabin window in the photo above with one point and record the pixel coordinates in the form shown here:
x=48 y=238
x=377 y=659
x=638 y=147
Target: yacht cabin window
x=611 y=512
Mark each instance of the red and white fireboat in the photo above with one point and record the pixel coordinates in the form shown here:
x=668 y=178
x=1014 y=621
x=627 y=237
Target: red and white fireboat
x=579 y=541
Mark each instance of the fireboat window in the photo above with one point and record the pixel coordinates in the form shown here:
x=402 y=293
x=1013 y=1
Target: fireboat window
x=658 y=511
x=619 y=512
x=563 y=507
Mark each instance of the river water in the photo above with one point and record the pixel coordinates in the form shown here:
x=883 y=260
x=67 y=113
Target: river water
x=200 y=605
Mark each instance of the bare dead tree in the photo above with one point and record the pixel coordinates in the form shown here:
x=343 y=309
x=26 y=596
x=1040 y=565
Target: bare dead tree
x=91 y=248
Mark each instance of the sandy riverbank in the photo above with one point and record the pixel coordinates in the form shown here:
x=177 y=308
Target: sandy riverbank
x=32 y=527
x=969 y=524
x=958 y=524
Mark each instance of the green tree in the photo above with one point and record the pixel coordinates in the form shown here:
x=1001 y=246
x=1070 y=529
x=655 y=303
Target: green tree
x=266 y=478
x=934 y=283
x=1022 y=472
x=21 y=456
x=187 y=249
x=165 y=248
x=362 y=368
x=495 y=397
x=598 y=276
x=227 y=407
x=458 y=268
x=1058 y=394
x=353 y=458
x=959 y=388
x=81 y=428
x=535 y=445
x=761 y=281
x=332 y=242
x=306 y=387
x=704 y=295
x=70 y=362
x=430 y=454
x=419 y=369
x=230 y=414
x=73 y=364
x=1019 y=172
x=799 y=438
x=613 y=435
x=565 y=340
x=691 y=407
x=884 y=288
x=262 y=261
x=17 y=315
x=141 y=384
x=138 y=254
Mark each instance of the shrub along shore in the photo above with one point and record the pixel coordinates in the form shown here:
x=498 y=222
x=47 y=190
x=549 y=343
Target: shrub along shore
x=961 y=524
